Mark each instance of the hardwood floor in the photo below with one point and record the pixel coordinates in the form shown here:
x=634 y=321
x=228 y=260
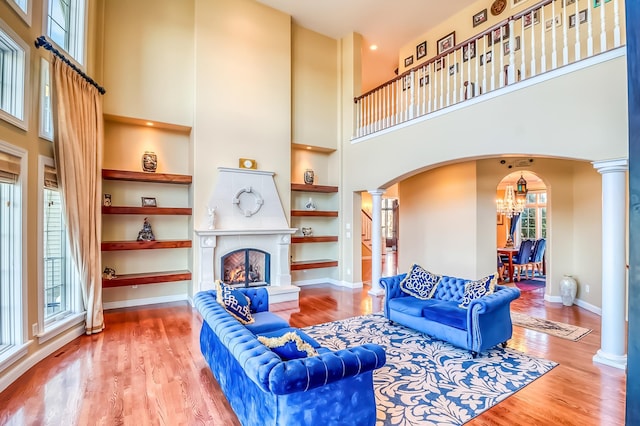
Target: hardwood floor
x=146 y=369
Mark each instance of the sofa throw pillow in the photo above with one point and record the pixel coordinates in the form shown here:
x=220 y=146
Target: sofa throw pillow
x=288 y=346
x=420 y=283
x=476 y=289
x=235 y=302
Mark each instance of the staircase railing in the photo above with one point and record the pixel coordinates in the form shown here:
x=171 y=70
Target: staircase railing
x=366 y=227
x=548 y=35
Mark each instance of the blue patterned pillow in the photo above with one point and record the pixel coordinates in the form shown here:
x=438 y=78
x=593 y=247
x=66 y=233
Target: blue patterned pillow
x=476 y=289
x=235 y=302
x=288 y=346
x=420 y=283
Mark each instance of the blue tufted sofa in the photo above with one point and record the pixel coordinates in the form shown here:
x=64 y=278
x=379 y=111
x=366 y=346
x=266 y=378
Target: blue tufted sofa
x=328 y=389
x=484 y=324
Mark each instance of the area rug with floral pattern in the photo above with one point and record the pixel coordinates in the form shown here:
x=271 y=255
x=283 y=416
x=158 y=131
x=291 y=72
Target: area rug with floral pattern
x=426 y=381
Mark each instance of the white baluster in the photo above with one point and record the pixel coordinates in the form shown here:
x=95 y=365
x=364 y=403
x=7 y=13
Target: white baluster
x=445 y=70
x=577 y=47
x=523 y=48
x=493 y=67
x=554 y=43
x=431 y=83
x=476 y=87
x=603 y=29
x=457 y=99
x=387 y=115
x=590 y=30
x=543 y=44
x=412 y=100
x=485 y=64
x=397 y=97
x=565 y=42
x=511 y=73
x=442 y=73
x=616 y=22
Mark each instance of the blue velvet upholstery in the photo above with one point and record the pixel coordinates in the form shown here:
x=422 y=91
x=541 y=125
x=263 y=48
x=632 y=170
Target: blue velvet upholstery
x=331 y=388
x=484 y=324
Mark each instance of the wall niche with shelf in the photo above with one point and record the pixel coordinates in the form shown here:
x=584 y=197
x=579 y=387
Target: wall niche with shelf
x=146 y=271
x=314 y=206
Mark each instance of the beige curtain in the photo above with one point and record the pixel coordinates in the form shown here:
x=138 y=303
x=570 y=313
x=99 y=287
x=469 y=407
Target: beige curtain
x=77 y=109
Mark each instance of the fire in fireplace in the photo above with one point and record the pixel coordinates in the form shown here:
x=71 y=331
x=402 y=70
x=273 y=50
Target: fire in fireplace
x=246 y=268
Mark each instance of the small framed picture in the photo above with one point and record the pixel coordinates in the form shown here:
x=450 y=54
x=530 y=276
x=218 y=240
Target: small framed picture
x=439 y=64
x=507 y=48
x=531 y=17
x=499 y=219
x=597 y=3
x=486 y=58
x=453 y=69
x=421 y=50
x=447 y=42
x=149 y=202
x=582 y=18
x=480 y=18
x=406 y=82
x=568 y=2
x=408 y=61
x=469 y=51
x=548 y=24
x=499 y=34
x=106 y=200
x=516 y=3
x=424 y=80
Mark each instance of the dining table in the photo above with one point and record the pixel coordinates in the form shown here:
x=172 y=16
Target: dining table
x=509 y=252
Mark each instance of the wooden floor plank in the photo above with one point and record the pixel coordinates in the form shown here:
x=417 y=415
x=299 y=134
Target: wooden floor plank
x=146 y=369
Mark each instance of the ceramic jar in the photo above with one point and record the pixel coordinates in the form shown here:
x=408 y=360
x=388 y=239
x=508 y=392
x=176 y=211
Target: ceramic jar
x=568 y=290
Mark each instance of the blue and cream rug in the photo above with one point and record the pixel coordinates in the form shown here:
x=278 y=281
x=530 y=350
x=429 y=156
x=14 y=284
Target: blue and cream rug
x=427 y=381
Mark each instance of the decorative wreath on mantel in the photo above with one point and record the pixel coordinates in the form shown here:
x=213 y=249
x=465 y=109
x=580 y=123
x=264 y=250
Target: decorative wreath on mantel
x=258 y=201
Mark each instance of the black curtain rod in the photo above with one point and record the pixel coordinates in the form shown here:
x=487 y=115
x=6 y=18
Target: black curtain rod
x=42 y=42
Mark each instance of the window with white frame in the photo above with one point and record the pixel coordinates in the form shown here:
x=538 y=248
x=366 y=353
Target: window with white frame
x=11 y=283
x=533 y=220
x=46 y=113
x=66 y=26
x=22 y=8
x=13 y=74
x=60 y=291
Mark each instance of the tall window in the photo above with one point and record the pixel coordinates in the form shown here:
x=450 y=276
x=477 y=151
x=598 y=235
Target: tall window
x=66 y=26
x=59 y=276
x=11 y=285
x=13 y=74
x=533 y=220
x=46 y=114
x=22 y=8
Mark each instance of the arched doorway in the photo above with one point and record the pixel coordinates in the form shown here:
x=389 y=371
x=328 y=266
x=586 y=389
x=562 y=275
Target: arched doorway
x=521 y=198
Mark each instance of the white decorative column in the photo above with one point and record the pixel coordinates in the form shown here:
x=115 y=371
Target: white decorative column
x=376 y=242
x=613 y=351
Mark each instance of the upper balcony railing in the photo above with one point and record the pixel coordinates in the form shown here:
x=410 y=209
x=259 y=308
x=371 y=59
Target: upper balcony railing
x=551 y=34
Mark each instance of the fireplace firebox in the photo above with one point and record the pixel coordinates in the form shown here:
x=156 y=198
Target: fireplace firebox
x=247 y=267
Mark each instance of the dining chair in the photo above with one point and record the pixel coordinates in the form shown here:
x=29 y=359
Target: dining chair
x=522 y=259
x=537 y=257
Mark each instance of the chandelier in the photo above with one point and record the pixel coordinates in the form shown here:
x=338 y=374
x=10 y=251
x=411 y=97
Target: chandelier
x=513 y=203
x=510 y=204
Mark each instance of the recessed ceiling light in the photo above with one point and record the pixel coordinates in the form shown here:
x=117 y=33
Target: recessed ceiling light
x=149 y=123
x=373 y=47
x=308 y=147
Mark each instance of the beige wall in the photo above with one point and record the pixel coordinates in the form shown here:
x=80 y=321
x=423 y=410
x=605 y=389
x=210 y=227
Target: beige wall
x=315 y=88
x=148 y=59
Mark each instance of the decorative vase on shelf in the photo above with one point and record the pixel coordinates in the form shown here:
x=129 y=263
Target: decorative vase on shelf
x=568 y=289
x=309 y=176
x=310 y=204
x=149 y=161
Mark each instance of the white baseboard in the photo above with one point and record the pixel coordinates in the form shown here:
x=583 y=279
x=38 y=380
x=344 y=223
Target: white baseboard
x=24 y=365
x=146 y=301
x=581 y=303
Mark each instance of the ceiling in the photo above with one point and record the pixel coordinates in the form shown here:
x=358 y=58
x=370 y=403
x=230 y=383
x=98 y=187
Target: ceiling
x=389 y=25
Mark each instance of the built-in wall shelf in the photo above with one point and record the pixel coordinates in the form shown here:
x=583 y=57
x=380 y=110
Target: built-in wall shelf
x=144 y=245
x=127 y=175
x=313 y=264
x=313 y=188
x=147 y=211
x=314 y=213
x=316 y=239
x=146 y=278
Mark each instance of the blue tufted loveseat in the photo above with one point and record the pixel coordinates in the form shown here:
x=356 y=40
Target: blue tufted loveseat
x=328 y=389
x=484 y=324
